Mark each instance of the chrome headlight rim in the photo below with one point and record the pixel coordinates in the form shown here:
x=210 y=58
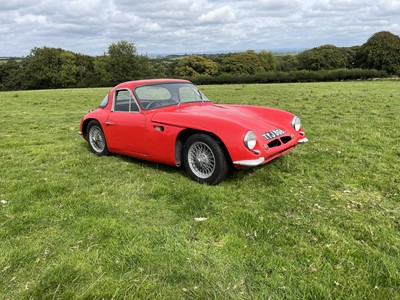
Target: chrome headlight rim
x=250 y=140
x=296 y=123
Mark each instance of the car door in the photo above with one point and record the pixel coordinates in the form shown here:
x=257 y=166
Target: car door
x=125 y=126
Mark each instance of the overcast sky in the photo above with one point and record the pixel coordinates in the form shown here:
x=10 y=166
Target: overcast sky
x=191 y=26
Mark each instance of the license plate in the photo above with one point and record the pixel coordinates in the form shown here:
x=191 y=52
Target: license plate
x=273 y=134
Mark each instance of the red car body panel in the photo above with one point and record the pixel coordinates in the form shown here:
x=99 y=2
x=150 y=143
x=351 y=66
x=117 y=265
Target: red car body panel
x=153 y=134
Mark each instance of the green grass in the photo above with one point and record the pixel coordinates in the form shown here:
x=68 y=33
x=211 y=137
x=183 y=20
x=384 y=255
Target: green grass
x=322 y=222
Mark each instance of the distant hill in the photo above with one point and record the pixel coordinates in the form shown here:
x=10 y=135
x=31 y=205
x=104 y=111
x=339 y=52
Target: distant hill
x=7 y=58
x=3 y=59
x=178 y=56
x=276 y=51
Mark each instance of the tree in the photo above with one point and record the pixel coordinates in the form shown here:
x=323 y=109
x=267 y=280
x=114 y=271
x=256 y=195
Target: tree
x=86 y=75
x=48 y=68
x=68 y=72
x=101 y=65
x=11 y=75
x=381 y=52
x=196 y=65
x=327 y=57
x=125 y=64
x=243 y=63
x=351 y=53
x=160 y=69
x=268 y=60
x=288 y=63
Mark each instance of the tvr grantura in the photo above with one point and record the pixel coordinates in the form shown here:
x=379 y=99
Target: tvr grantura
x=170 y=121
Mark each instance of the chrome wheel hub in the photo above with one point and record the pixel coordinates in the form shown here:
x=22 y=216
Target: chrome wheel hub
x=201 y=160
x=96 y=139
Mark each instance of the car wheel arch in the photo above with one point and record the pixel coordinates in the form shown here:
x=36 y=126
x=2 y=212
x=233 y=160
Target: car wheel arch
x=185 y=134
x=85 y=125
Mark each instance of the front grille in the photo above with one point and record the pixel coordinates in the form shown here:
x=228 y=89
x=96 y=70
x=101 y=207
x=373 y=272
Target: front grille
x=286 y=139
x=279 y=141
x=274 y=143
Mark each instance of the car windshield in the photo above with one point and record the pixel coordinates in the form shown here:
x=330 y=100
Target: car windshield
x=165 y=94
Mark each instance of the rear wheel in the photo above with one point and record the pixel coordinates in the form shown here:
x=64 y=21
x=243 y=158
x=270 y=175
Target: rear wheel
x=96 y=139
x=204 y=159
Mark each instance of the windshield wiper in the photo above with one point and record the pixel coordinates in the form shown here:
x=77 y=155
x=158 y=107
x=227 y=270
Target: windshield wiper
x=201 y=96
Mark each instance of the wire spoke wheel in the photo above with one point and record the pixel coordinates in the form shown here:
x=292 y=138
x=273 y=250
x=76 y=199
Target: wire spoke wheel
x=201 y=160
x=204 y=159
x=96 y=139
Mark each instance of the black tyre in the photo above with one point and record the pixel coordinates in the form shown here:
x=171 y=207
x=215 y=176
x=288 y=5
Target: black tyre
x=96 y=139
x=204 y=159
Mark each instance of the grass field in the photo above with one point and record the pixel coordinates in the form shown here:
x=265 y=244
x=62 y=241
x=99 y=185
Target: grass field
x=322 y=222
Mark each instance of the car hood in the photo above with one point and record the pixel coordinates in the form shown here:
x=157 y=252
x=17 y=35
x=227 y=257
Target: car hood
x=206 y=116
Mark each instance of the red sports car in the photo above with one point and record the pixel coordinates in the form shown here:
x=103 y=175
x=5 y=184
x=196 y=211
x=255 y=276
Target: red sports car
x=170 y=121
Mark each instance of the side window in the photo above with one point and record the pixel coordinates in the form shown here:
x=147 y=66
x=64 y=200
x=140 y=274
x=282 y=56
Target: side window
x=104 y=102
x=123 y=102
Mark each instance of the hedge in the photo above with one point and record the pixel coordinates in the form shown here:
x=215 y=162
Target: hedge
x=293 y=76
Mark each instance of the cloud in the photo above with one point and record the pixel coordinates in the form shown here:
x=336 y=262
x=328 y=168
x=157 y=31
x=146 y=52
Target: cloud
x=392 y=7
x=15 y=4
x=175 y=26
x=343 y=6
x=220 y=15
x=275 y=4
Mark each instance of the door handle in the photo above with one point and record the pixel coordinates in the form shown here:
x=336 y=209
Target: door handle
x=109 y=123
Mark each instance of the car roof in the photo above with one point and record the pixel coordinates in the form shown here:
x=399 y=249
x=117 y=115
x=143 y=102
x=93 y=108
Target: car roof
x=135 y=83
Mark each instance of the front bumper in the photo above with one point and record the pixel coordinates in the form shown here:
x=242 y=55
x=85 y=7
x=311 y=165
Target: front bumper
x=261 y=160
x=250 y=162
x=303 y=140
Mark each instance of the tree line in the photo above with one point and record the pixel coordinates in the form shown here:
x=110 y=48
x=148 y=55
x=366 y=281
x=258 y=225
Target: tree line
x=49 y=68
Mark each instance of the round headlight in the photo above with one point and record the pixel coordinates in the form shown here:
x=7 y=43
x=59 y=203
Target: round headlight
x=250 y=140
x=296 y=123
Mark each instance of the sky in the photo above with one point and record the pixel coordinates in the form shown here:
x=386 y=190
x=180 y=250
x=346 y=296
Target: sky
x=191 y=26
